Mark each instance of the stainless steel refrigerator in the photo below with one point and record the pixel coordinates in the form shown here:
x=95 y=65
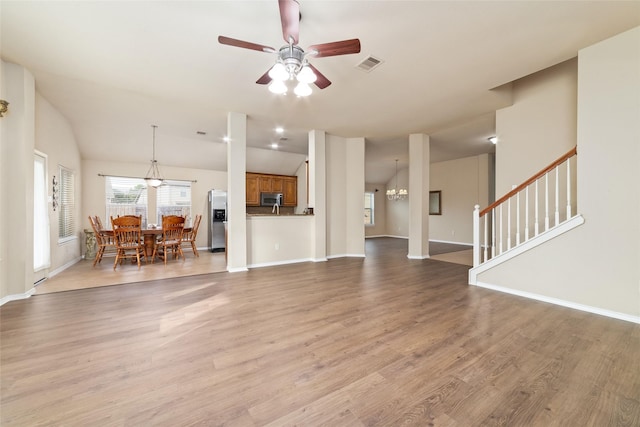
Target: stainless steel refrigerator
x=217 y=220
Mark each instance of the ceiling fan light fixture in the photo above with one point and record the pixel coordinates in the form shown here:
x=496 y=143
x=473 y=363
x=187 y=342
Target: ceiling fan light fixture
x=278 y=87
x=306 y=75
x=302 y=89
x=279 y=72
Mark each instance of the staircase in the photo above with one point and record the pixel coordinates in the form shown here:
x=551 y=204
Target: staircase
x=539 y=209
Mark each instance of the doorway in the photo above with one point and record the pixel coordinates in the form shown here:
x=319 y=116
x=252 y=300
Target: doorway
x=41 y=235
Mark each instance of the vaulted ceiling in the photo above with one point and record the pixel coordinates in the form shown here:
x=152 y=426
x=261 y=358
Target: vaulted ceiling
x=113 y=68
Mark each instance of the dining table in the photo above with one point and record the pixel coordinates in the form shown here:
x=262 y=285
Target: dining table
x=149 y=236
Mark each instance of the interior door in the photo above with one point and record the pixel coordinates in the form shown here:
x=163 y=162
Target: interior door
x=41 y=236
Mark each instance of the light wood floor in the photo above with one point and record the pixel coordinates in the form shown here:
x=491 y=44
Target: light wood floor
x=379 y=341
x=84 y=275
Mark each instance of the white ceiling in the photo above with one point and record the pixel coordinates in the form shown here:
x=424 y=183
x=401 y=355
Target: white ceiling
x=113 y=68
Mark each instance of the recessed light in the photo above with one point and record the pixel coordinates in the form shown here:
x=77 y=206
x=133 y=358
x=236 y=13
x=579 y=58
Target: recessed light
x=279 y=129
x=226 y=139
x=274 y=145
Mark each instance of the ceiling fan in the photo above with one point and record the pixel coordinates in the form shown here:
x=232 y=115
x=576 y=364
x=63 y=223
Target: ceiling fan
x=292 y=59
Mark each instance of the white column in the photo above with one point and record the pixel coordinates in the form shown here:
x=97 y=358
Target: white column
x=236 y=192
x=355 y=197
x=317 y=193
x=418 y=196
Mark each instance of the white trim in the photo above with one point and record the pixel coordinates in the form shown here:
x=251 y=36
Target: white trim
x=64 y=267
x=237 y=269
x=453 y=243
x=16 y=297
x=530 y=244
x=346 y=256
x=563 y=303
x=271 y=264
x=419 y=257
x=325 y=259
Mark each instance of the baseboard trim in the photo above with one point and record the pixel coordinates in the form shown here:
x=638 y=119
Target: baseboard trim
x=563 y=303
x=16 y=297
x=272 y=264
x=453 y=243
x=418 y=257
x=65 y=266
x=346 y=256
x=237 y=269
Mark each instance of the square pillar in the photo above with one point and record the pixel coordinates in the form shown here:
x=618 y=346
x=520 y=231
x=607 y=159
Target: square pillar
x=419 y=146
x=236 y=192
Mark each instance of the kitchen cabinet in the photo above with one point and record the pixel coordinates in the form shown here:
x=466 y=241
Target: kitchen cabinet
x=290 y=190
x=265 y=183
x=253 y=190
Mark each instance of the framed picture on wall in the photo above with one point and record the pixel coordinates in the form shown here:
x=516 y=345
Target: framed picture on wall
x=435 y=202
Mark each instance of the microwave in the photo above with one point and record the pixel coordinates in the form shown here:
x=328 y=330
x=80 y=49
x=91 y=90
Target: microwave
x=270 y=199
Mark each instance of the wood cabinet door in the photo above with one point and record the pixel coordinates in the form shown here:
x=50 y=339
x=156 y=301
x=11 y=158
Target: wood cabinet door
x=265 y=183
x=277 y=184
x=253 y=190
x=290 y=191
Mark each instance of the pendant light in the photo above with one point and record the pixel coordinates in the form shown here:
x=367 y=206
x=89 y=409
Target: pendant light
x=395 y=193
x=154 y=178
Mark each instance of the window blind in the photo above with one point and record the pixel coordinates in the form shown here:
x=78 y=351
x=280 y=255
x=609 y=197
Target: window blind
x=174 y=198
x=67 y=206
x=125 y=196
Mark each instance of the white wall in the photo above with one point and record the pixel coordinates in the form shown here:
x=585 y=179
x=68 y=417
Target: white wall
x=55 y=138
x=597 y=265
x=345 y=192
x=93 y=194
x=464 y=183
x=275 y=240
x=397 y=211
x=539 y=127
x=379 y=228
x=17 y=86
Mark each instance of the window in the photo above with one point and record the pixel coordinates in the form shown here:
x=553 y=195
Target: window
x=369 y=208
x=67 y=205
x=174 y=198
x=125 y=196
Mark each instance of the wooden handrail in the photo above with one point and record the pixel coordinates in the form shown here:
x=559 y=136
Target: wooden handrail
x=522 y=186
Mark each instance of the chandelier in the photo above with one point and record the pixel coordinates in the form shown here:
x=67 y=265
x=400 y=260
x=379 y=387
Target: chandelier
x=291 y=65
x=395 y=193
x=154 y=178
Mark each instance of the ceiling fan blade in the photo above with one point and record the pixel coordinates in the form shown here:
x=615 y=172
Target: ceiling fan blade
x=321 y=81
x=344 y=47
x=290 y=17
x=246 y=45
x=264 y=79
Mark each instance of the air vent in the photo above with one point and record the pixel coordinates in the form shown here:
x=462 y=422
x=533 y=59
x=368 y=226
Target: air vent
x=369 y=63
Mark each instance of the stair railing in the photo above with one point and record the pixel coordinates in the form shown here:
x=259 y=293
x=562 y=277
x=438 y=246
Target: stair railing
x=513 y=220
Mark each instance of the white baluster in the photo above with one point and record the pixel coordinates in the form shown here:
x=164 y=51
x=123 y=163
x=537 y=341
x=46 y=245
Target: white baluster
x=501 y=230
x=526 y=213
x=557 y=211
x=546 y=202
x=493 y=232
x=486 y=235
x=568 y=188
x=508 y=223
x=476 y=235
x=535 y=226
x=517 y=218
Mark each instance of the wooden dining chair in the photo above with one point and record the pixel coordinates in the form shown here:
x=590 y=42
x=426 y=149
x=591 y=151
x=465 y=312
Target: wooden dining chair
x=105 y=240
x=189 y=237
x=128 y=238
x=172 y=230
